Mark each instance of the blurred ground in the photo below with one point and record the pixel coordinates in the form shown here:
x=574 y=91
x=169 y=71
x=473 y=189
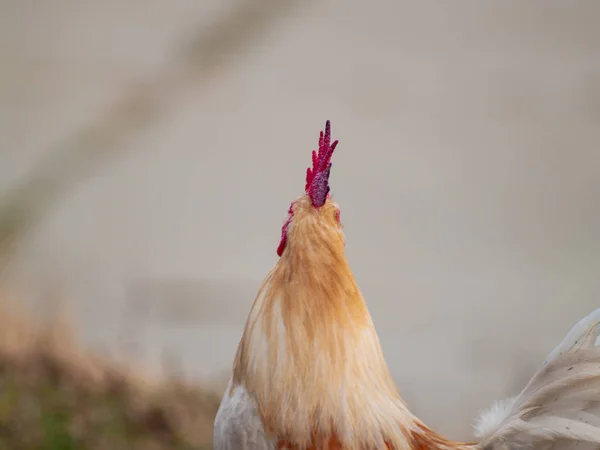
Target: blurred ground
x=54 y=395
x=467 y=174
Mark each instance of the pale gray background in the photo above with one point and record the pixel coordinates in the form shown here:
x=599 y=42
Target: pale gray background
x=467 y=173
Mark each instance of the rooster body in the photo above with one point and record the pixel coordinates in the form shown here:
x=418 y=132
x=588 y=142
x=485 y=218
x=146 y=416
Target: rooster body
x=309 y=372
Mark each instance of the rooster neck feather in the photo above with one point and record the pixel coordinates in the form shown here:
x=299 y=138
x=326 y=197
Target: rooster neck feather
x=310 y=356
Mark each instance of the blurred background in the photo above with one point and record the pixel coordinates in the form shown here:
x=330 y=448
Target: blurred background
x=150 y=150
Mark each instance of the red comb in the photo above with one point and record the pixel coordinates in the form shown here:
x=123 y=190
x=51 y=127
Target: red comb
x=317 y=177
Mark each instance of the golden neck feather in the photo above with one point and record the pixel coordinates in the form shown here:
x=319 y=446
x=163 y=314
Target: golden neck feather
x=310 y=355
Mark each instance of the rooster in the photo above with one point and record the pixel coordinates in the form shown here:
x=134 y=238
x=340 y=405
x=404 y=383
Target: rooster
x=309 y=372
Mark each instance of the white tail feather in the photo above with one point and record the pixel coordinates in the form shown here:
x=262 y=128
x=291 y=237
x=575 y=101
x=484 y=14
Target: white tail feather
x=490 y=419
x=560 y=406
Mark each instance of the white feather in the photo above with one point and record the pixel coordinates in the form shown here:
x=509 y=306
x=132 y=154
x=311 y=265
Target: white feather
x=490 y=419
x=560 y=407
x=238 y=425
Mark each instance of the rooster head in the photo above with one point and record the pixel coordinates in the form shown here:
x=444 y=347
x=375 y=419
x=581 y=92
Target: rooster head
x=315 y=208
x=310 y=357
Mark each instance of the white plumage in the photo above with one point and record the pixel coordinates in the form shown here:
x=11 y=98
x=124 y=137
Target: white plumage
x=238 y=425
x=560 y=407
